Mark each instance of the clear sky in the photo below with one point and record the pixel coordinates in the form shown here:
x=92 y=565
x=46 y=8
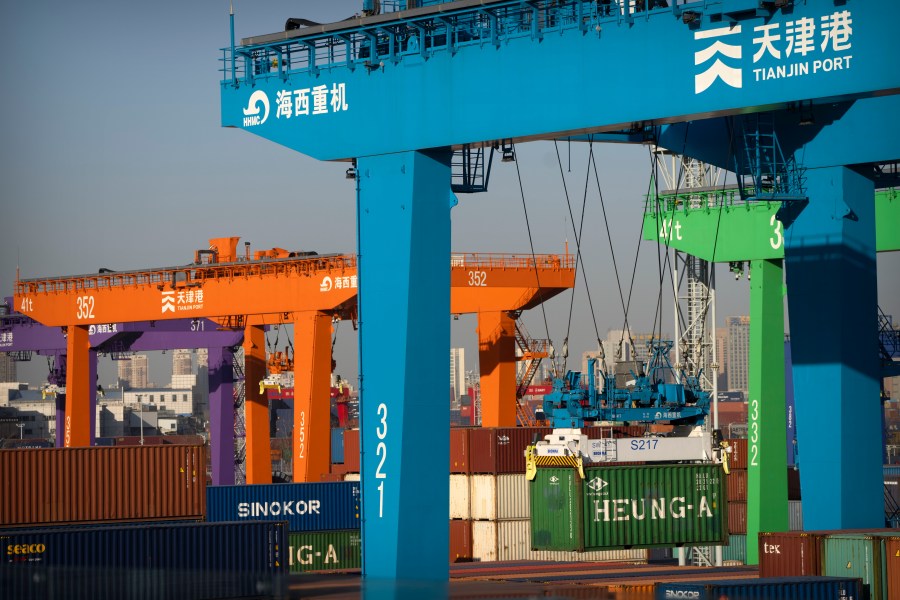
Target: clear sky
x=113 y=156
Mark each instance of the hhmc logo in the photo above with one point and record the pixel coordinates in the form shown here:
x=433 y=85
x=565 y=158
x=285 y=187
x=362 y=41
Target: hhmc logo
x=717 y=70
x=251 y=113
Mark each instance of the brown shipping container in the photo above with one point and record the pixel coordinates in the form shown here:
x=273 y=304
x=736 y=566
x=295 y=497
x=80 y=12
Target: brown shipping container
x=736 y=481
x=459 y=450
x=790 y=554
x=460 y=540
x=737 y=517
x=351 y=450
x=119 y=483
x=737 y=458
x=793 y=483
x=892 y=566
x=498 y=450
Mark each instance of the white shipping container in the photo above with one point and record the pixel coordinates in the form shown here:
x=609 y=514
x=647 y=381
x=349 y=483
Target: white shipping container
x=351 y=476
x=498 y=497
x=460 y=507
x=795 y=515
x=511 y=540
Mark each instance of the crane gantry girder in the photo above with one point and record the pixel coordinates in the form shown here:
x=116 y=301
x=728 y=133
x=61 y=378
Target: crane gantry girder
x=305 y=291
x=486 y=66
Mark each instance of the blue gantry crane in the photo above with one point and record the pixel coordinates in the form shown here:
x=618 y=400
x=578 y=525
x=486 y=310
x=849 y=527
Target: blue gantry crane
x=718 y=80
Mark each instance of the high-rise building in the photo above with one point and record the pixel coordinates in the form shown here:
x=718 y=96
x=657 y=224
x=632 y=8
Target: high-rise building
x=722 y=357
x=202 y=357
x=737 y=353
x=182 y=362
x=7 y=368
x=124 y=373
x=140 y=376
x=457 y=372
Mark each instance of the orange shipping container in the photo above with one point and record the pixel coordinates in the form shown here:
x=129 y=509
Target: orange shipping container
x=737 y=485
x=351 y=450
x=737 y=458
x=892 y=563
x=459 y=450
x=460 y=540
x=119 y=483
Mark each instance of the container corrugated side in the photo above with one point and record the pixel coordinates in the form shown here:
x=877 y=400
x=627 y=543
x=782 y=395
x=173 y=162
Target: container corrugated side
x=460 y=503
x=737 y=458
x=132 y=483
x=325 y=506
x=510 y=540
x=795 y=515
x=790 y=554
x=892 y=567
x=780 y=588
x=459 y=450
x=498 y=450
x=857 y=555
x=162 y=560
x=556 y=509
x=736 y=550
x=460 y=540
x=737 y=517
x=351 y=450
x=324 y=551
x=648 y=506
x=737 y=485
x=500 y=497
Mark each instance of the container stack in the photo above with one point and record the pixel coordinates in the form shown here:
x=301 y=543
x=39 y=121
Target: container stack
x=106 y=521
x=323 y=519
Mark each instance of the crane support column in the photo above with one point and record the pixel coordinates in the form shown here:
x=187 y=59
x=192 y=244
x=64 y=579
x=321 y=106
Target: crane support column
x=496 y=360
x=81 y=389
x=312 y=396
x=221 y=415
x=256 y=407
x=403 y=222
x=830 y=259
x=767 y=501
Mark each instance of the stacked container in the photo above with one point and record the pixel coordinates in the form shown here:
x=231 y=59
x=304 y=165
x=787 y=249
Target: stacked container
x=737 y=480
x=323 y=519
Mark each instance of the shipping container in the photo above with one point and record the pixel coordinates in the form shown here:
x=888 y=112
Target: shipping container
x=795 y=515
x=325 y=506
x=737 y=517
x=337 y=445
x=858 y=555
x=324 y=551
x=556 y=509
x=793 y=484
x=117 y=484
x=460 y=503
x=737 y=458
x=892 y=567
x=351 y=450
x=499 y=497
x=623 y=507
x=737 y=485
x=892 y=470
x=498 y=450
x=649 y=506
x=736 y=550
x=162 y=560
x=459 y=450
x=511 y=541
x=460 y=540
x=780 y=588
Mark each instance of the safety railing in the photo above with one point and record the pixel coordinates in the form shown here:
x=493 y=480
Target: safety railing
x=512 y=261
x=444 y=29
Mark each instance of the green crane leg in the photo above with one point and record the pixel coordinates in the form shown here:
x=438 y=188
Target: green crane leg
x=767 y=508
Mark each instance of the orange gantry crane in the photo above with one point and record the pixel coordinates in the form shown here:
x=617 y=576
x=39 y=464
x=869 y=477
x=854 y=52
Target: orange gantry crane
x=277 y=286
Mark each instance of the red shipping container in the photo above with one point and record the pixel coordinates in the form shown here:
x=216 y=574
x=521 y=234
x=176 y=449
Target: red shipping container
x=102 y=484
x=459 y=450
x=737 y=458
x=892 y=564
x=790 y=554
x=460 y=540
x=736 y=482
x=498 y=450
x=737 y=517
x=351 y=450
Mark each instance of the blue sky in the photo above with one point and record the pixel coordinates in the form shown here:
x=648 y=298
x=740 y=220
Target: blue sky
x=114 y=157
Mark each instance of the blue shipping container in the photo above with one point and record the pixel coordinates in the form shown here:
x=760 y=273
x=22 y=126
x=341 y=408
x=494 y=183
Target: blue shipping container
x=770 y=588
x=171 y=560
x=325 y=506
x=337 y=445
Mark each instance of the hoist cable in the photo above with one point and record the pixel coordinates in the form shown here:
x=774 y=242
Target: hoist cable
x=531 y=244
x=578 y=259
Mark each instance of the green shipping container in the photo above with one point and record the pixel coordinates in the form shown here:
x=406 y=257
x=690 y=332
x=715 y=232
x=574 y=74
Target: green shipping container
x=858 y=555
x=629 y=507
x=324 y=551
x=556 y=500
